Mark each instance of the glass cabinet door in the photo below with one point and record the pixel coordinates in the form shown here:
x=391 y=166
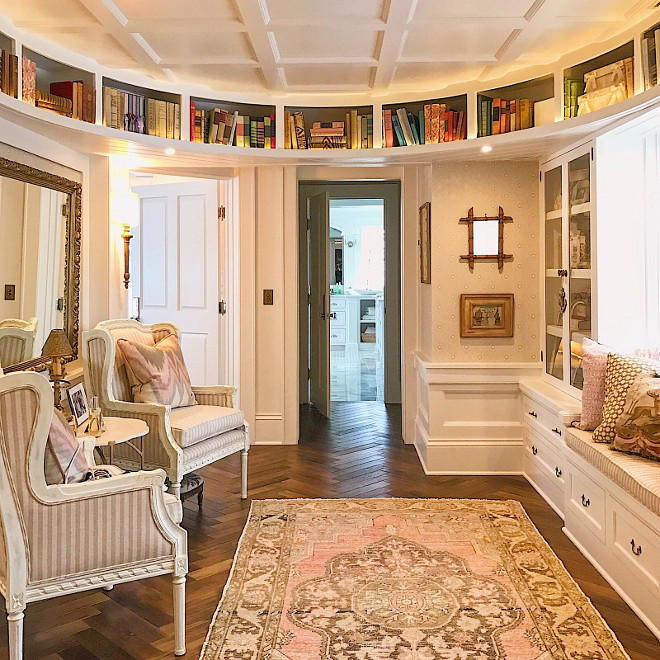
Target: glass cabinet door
x=579 y=272
x=554 y=263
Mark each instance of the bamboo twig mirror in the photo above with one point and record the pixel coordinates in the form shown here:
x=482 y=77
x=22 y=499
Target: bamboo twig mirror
x=486 y=238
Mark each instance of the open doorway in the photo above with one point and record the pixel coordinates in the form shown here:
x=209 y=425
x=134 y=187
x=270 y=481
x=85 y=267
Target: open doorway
x=350 y=320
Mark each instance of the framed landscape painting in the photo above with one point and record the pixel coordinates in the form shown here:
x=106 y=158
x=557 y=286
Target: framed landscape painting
x=487 y=315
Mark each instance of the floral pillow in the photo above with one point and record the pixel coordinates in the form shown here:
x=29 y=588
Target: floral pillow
x=64 y=461
x=638 y=426
x=157 y=374
x=594 y=368
x=621 y=372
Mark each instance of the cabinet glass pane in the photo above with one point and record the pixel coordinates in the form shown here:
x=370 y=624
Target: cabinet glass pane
x=554 y=319
x=553 y=228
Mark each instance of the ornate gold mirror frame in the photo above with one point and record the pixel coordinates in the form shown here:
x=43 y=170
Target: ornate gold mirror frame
x=37 y=177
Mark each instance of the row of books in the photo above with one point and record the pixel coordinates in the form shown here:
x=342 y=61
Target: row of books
x=435 y=123
x=503 y=116
x=8 y=73
x=136 y=113
x=355 y=132
x=54 y=103
x=573 y=89
x=219 y=126
x=651 y=58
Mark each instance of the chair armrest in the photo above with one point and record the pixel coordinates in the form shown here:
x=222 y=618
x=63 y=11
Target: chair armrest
x=108 y=486
x=215 y=395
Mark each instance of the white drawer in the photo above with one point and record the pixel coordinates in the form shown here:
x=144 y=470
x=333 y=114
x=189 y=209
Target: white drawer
x=337 y=303
x=540 y=418
x=587 y=502
x=635 y=544
x=337 y=335
x=539 y=451
x=547 y=488
x=339 y=321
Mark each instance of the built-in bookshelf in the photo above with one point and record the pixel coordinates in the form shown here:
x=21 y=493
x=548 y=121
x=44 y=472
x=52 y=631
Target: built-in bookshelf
x=425 y=122
x=141 y=110
x=328 y=127
x=599 y=82
x=8 y=66
x=58 y=87
x=516 y=107
x=231 y=123
x=651 y=56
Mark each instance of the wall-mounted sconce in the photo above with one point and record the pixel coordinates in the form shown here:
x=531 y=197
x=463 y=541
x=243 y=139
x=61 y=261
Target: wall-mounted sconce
x=126 y=235
x=128 y=215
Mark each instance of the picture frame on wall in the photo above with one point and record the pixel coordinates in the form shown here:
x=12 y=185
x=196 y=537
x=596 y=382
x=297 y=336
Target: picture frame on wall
x=78 y=403
x=425 y=243
x=486 y=315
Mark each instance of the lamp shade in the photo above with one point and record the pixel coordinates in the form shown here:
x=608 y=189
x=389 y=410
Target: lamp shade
x=125 y=208
x=57 y=344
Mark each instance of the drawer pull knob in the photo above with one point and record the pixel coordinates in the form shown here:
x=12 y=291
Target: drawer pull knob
x=557 y=431
x=558 y=472
x=636 y=549
x=532 y=413
x=534 y=450
x=585 y=501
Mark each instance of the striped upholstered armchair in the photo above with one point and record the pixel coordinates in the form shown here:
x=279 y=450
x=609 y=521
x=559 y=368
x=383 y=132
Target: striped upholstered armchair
x=16 y=340
x=61 y=539
x=180 y=440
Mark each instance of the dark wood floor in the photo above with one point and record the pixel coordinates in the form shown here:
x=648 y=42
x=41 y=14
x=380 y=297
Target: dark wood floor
x=358 y=453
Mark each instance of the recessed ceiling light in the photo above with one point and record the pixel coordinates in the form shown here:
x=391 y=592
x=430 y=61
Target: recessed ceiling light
x=170 y=151
x=486 y=148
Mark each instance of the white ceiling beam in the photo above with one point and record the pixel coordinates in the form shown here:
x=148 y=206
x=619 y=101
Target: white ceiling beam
x=185 y=25
x=254 y=14
x=399 y=14
x=113 y=20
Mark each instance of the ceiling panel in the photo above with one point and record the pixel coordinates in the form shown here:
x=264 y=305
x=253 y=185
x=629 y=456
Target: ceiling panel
x=329 y=74
x=320 y=42
x=103 y=48
x=593 y=8
x=204 y=47
x=220 y=76
x=39 y=10
x=315 y=10
x=544 y=48
x=431 y=42
x=470 y=8
x=172 y=9
x=411 y=75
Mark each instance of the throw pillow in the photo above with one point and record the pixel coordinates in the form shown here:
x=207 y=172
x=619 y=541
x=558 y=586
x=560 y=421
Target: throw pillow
x=594 y=368
x=638 y=426
x=621 y=372
x=157 y=374
x=64 y=461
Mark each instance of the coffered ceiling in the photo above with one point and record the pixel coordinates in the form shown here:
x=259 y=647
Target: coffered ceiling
x=324 y=46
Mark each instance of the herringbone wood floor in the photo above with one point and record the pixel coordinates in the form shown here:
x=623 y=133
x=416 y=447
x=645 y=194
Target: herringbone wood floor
x=358 y=453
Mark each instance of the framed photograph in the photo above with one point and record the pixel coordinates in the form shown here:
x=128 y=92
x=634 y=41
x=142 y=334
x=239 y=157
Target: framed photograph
x=425 y=243
x=487 y=315
x=78 y=403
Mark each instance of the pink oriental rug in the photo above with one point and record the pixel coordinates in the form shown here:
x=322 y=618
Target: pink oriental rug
x=402 y=579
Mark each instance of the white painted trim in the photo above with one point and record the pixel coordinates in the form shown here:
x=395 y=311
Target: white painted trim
x=539 y=490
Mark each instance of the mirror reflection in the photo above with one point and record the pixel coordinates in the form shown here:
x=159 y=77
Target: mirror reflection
x=33 y=232
x=486 y=237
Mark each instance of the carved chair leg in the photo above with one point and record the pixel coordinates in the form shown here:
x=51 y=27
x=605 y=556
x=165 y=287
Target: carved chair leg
x=176 y=489
x=244 y=474
x=15 y=622
x=179 y=615
x=200 y=497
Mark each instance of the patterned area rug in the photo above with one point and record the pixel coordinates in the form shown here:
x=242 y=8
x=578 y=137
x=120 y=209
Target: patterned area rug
x=402 y=579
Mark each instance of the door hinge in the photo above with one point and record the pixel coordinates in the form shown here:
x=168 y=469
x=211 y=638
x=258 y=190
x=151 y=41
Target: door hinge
x=222 y=307
x=309 y=374
x=592 y=153
x=221 y=213
x=540 y=176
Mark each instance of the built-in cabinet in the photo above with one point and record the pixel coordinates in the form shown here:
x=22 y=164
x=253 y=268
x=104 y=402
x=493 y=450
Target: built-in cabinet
x=355 y=322
x=569 y=217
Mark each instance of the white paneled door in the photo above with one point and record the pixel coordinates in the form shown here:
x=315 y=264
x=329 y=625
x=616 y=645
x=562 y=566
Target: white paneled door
x=175 y=268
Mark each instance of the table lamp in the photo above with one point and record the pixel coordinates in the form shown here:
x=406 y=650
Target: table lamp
x=57 y=347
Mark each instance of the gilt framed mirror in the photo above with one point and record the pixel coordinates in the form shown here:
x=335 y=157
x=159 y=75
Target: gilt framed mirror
x=40 y=237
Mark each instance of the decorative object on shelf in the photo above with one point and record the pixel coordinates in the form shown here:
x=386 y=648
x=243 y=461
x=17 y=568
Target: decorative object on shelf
x=57 y=347
x=606 y=86
x=486 y=315
x=425 y=243
x=580 y=186
x=78 y=404
x=96 y=423
x=485 y=241
x=562 y=303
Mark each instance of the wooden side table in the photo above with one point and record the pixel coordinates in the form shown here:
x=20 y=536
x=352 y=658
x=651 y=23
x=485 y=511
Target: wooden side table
x=117 y=431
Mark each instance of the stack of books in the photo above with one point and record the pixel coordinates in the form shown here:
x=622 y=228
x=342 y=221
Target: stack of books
x=136 y=113
x=81 y=95
x=220 y=126
x=651 y=57
x=8 y=73
x=606 y=86
x=572 y=90
x=435 y=123
x=355 y=132
x=54 y=103
x=503 y=116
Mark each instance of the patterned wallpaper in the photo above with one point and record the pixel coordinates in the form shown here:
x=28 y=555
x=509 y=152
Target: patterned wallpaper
x=514 y=185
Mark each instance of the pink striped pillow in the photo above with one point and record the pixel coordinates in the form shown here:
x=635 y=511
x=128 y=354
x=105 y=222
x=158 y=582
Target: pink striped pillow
x=64 y=462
